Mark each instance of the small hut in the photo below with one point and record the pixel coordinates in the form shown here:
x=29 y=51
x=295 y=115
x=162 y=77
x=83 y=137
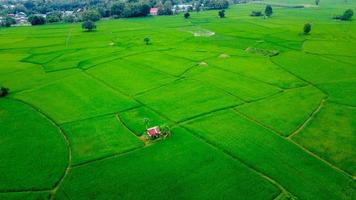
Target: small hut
x=153 y=132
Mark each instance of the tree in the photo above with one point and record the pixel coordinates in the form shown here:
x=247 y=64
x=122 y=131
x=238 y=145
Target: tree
x=138 y=9
x=146 y=40
x=91 y=15
x=347 y=15
x=117 y=9
x=88 y=26
x=104 y=12
x=256 y=14
x=268 y=10
x=165 y=130
x=36 y=20
x=186 y=15
x=29 y=5
x=216 y=4
x=166 y=8
x=4 y=92
x=307 y=28
x=54 y=17
x=222 y=13
x=197 y=6
x=69 y=19
x=19 y=8
x=317 y=2
x=8 y=21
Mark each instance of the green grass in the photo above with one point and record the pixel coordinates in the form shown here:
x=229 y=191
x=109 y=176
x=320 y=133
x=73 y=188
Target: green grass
x=129 y=77
x=76 y=97
x=32 y=77
x=329 y=135
x=83 y=80
x=259 y=68
x=196 y=97
x=168 y=170
x=331 y=48
x=314 y=68
x=245 y=88
x=10 y=63
x=165 y=63
x=272 y=155
x=33 y=152
x=27 y=196
x=287 y=111
x=99 y=137
x=135 y=119
x=343 y=92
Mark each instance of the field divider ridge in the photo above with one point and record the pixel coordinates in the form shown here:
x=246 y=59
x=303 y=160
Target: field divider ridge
x=298 y=145
x=69 y=149
x=308 y=120
x=253 y=169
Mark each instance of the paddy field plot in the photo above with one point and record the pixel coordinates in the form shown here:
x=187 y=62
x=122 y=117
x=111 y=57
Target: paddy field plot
x=256 y=110
x=36 y=153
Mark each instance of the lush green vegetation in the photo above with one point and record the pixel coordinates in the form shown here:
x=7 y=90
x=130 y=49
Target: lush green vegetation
x=286 y=111
x=180 y=167
x=337 y=126
x=257 y=108
x=79 y=97
x=33 y=150
x=263 y=150
x=99 y=137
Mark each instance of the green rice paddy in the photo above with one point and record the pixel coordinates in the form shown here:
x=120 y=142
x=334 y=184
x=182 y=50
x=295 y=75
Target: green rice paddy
x=244 y=125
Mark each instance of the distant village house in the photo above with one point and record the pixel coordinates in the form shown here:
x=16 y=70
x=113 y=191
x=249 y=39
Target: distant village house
x=154 y=11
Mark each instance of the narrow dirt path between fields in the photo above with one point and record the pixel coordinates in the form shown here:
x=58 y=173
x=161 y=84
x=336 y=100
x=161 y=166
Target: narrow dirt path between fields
x=252 y=168
x=69 y=161
x=297 y=144
x=283 y=190
x=306 y=122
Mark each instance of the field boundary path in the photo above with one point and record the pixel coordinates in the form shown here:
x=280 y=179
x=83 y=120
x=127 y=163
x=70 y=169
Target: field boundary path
x=253 y=169
x=298 y=145
x=307 y=121
x=69 y=149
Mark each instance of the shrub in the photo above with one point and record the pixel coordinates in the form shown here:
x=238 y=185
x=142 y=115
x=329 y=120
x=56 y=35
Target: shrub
x=348 y=14
x=36 y=20
x=146 y=40
x=8 y=21
x=186 y=15
x=268 y=10
x=222 y=13
x=307 y=28
x=88 y=25
x=256 y=14
x=317 y=2
x=4 y=92
x=165 y=130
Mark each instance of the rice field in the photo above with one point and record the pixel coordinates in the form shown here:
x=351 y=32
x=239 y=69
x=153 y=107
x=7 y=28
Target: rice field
x=257 y=109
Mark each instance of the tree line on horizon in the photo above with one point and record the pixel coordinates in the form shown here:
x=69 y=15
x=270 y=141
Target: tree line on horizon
x=96 y=9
